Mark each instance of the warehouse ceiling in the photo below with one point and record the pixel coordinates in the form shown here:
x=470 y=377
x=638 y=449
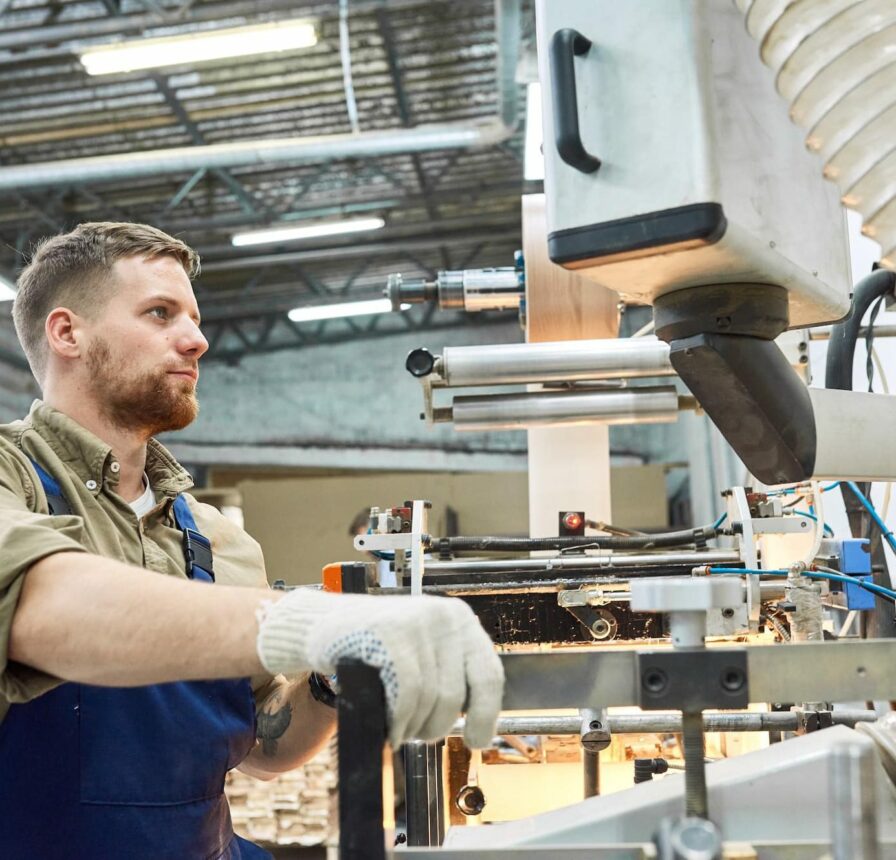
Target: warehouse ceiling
x=413 y=64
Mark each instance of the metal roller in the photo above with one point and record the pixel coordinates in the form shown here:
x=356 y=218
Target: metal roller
x=566 y=361
x=554 y=408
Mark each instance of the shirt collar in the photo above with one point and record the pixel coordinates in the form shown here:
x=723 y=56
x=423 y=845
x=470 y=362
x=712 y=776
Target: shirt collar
x=92 y=460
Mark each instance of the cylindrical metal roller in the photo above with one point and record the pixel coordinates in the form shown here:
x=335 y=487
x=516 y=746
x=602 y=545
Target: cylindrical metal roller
x=555 y=408
x=566 y=361
x=492 y=289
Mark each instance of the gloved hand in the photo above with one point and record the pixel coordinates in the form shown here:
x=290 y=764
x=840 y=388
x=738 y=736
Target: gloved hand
x=432 y=653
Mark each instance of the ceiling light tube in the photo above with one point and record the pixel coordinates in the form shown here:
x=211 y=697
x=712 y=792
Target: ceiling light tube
x=345 y=309
x=310 y=231
x=199 y=47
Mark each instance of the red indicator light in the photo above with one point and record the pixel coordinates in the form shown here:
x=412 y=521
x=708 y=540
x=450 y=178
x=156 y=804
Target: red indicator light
x=572 y=521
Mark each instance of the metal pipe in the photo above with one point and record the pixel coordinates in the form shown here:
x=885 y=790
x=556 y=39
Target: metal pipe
x=247 y=153
x=566 y=361
x=553 y=409
x=590 y=773
x=423 y=792
x=573 y=562
x=825 y=332
x=661 y=722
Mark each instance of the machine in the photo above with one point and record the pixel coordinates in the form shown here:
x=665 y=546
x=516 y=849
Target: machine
x=675 y=178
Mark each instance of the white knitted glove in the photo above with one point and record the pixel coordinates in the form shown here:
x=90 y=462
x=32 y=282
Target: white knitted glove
x=432 y=653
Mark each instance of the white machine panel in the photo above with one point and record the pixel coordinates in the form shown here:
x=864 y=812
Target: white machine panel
x=703 y=179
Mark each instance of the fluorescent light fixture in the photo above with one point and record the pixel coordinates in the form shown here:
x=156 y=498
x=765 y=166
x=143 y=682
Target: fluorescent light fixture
x=311 y=231
x=533 y=161
x=346 y=309
x=199 y=47
x=7 y=290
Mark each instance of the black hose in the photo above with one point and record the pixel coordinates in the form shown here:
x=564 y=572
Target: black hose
x=838 y=375
x=524 y=544
x=844 y=335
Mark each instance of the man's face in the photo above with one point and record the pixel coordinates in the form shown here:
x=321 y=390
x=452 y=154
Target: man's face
x=145 y=346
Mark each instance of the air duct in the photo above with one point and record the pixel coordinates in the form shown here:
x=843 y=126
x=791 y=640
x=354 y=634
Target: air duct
x=835 y=63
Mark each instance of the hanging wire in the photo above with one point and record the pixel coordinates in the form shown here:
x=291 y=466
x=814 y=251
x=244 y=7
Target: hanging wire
x=346 y=57
x=869 y=342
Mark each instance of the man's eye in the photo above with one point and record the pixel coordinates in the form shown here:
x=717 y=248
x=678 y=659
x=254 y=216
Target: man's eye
x=160 y=312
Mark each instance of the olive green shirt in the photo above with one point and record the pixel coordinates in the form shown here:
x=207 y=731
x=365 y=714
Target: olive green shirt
x=101 y=523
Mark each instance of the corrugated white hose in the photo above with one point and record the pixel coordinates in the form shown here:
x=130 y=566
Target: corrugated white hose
x=834 y=62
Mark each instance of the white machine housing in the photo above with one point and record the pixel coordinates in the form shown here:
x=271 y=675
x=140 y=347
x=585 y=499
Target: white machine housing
x=703 y=178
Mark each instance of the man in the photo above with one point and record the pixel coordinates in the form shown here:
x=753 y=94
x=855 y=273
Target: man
x=141 y=653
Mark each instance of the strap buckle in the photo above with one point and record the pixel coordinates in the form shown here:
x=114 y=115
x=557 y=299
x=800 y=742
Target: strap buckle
x=198 y=552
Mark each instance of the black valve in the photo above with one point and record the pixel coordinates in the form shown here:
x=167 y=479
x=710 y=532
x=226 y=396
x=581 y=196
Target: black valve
x=645 y=768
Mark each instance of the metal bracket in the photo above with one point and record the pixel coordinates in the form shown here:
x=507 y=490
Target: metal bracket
x=692 y=680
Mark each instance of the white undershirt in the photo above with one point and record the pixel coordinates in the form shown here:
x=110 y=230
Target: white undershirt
x=146 y=502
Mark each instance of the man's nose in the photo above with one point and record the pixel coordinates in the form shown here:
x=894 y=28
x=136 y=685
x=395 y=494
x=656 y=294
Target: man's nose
x=192 y=341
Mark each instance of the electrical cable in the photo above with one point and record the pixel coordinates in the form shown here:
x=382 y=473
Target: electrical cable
x=647 y=328
x=888 y=535
x=818 y=513
x=880 y=370
x=822 y=573
x=685 y=537
x=839 y=375
x=869 y=343
x=345 y=56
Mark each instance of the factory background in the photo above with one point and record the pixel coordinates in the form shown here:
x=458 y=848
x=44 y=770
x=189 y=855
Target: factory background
x=308 y=422
x=303 y=424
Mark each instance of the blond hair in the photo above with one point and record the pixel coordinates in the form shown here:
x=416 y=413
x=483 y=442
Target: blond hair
x=74 y=270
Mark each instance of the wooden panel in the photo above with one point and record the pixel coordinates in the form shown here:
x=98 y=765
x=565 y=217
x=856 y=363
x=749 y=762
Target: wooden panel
x=569 y=467
x=560 y=305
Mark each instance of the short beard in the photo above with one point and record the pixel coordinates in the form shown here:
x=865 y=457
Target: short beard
x=147 y=404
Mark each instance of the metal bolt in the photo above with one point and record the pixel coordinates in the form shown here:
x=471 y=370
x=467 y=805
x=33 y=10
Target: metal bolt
x=728 y=613
x=655 y=680
x=732 y=680
x=694 y=765
x=600 y=628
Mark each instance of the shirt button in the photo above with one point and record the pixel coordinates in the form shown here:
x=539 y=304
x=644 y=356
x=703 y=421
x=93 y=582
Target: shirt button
x=114 y=467
x=91 y=484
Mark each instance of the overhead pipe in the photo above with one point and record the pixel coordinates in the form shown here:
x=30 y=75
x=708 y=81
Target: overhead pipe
x=246 y=153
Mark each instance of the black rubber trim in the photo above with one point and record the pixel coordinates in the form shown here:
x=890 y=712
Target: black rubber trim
x=685 y=226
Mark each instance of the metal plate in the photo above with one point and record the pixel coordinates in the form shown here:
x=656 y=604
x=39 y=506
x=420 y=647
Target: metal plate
x=692 y=680
x=801 y=672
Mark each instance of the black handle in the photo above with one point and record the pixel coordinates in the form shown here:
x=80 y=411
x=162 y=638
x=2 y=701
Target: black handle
x=361 y=736
x=566 y=45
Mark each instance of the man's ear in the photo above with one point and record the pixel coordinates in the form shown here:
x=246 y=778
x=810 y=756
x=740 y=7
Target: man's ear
x=65 y=333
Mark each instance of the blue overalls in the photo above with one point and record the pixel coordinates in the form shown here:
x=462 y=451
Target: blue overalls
x=133 y=773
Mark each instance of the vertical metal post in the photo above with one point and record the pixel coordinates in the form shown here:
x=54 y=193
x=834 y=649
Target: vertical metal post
x=424 y=793
x=595 y=736
x=361 y=736
x=696 y=804
x=436 y=793
x=416 y=800
x=591 y=770
x=852 y=803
